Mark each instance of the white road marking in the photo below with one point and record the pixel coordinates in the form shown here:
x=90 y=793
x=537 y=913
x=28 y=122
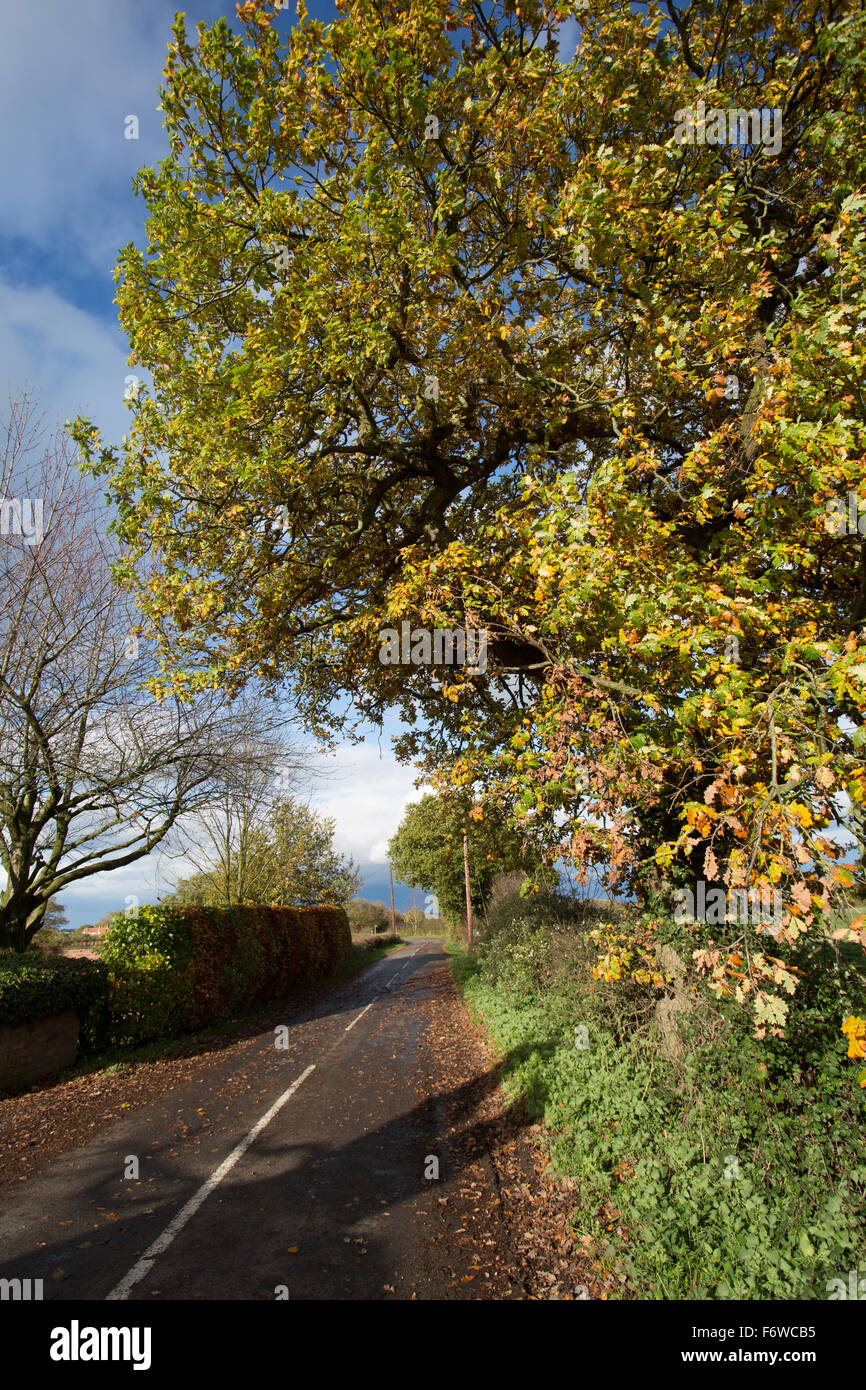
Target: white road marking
x=395 y=976
x=351 y=1025
x=143 y=1266
x=176 y=1225
x=398 y=973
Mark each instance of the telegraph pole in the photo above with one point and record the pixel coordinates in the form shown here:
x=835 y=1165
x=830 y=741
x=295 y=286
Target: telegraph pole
x=468 y=891
x=391 y=878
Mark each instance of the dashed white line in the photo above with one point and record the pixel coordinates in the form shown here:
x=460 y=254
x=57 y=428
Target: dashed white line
x=398 y=973
x=351 y=1025
x=143 y=1266
x=176 y=1225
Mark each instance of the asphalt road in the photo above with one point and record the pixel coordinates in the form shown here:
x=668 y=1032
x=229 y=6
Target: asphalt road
x=300 y=1172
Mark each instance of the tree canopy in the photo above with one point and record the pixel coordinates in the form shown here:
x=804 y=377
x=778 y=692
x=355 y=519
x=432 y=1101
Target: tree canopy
x=446 y=325
x=286 y=858
x=427 y=851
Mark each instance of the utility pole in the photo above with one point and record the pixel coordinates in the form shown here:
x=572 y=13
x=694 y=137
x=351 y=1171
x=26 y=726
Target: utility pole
x=468 y=891
x=391 y=878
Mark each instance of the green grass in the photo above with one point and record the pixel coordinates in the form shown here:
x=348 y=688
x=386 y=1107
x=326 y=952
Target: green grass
x=707 y=1179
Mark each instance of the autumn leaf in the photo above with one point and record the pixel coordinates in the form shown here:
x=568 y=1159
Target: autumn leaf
x=856 y=1030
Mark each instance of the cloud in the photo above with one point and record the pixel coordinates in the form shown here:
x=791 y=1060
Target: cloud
x=364 y=789
x=69 y=358
x=372 y=792
x=145 y=880
x=69 y=75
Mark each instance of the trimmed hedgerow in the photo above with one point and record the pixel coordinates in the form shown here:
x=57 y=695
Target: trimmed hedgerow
x=32 y=988
x=177 y=969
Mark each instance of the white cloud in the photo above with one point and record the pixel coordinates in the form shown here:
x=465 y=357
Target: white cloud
x=70 y=359
x=145 y=879
x=365 y=790
x=368 y=801
x=69 y=75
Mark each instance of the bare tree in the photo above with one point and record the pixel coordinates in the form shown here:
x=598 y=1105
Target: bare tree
x=223 y=835
x=95 y=770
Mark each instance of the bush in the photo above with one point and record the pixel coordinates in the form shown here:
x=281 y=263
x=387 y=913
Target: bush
x=376 y=941
x=515 y=957
x=536 y=910
x=366 y=916
x=32 y=988
x=177 y=969
x=731 y=1171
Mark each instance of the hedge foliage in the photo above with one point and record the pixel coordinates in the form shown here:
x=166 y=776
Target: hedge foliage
x=177 y=969
x=32 y=988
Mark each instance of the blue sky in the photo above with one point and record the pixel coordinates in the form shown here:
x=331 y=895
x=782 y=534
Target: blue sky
x=70 y=74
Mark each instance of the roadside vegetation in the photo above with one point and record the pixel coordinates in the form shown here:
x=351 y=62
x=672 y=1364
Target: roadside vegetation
x=483 y=321
x=172 y=977
x=100 y=1056
x=710 y=1165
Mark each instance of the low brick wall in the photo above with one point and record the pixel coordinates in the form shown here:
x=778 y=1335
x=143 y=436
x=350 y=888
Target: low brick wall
x=31 y=1050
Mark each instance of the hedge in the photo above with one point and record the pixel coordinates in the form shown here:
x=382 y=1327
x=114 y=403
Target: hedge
x=32 y=988
x=177 y=969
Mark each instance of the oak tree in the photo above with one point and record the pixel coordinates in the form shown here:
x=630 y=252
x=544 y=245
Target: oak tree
x=448 y=325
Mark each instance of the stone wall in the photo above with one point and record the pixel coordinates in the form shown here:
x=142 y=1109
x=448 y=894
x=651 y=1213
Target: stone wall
x=32 y=1050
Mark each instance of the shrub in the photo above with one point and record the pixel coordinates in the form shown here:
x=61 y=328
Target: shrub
x=32 y=988
x=731 y=1171
x=515 y=957
x=366 y=916
x=537 y=909
x=376 y=941
x=175 y=969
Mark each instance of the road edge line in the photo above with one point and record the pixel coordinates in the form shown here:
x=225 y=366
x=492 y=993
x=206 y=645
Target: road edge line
x=143 y=1265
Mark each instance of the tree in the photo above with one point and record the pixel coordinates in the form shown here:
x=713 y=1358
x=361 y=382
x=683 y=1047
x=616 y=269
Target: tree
x=290 y=859
x=94 y=771
x=427 y=852
x=568 y=352
x=53 y=935
x=55 y=918
x=416 y=922
x=296 y=862
x=366 y=916
x=226 y=834
x=204 y=889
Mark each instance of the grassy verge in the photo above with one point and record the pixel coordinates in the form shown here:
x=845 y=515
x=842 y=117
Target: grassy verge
x=734 y=1170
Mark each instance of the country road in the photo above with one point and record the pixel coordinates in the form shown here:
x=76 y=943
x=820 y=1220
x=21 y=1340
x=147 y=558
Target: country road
x=305 y=1172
